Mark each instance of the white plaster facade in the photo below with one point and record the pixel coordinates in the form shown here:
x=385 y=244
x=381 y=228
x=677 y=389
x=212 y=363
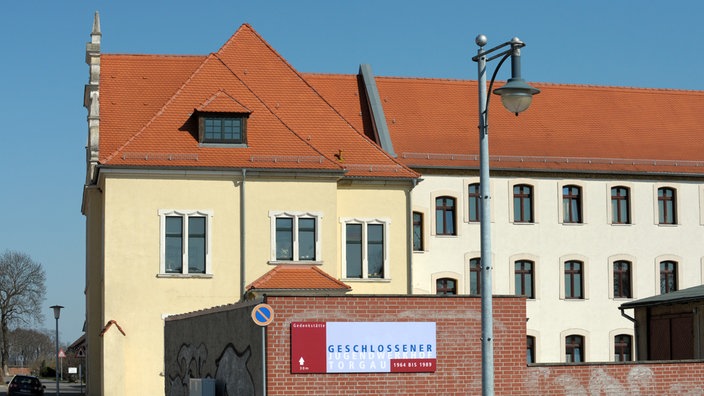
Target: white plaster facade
x=549 y=243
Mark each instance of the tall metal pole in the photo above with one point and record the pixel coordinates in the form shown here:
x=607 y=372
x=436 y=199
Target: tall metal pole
x=57 y=313
x=485 y=229
x=57 y=356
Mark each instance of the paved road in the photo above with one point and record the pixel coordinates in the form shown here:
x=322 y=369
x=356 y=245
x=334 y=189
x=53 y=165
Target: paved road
x=65 y=388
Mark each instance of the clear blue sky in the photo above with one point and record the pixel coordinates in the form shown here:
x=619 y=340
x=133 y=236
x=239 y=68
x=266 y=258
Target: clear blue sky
x=598 y=42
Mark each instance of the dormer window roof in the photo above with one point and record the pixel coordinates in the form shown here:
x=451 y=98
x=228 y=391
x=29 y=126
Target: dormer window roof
x=222 y=120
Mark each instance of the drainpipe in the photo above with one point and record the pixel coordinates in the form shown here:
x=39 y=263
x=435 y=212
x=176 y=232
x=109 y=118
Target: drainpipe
x=242 y=235
x=635 y=331
x=409 y=237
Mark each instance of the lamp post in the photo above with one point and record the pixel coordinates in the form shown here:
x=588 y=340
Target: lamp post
x=516 y=96
x=57 y=313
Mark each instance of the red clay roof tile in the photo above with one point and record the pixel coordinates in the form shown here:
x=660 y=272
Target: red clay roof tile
x=293 y=277
x=149 y=121
x=433 y=123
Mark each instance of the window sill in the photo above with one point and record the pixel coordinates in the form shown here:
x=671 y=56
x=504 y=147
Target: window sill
x=185 y=276
x=300 y=262
x=371 y=280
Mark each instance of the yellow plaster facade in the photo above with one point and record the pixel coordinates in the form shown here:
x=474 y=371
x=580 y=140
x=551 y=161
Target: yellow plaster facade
x=125 y=283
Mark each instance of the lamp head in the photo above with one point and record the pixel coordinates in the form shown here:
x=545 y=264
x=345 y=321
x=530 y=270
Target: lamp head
x=57 y=311
x=516 y=95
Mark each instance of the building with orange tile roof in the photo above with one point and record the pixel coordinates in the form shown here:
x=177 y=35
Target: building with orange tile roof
x=597 y=199
x=212 y=178
x=208 y=176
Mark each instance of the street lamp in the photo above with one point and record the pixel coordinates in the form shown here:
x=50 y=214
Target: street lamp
x=57 y=313
x=516 y=96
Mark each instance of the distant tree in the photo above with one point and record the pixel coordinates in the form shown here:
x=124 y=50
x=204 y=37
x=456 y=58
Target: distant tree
x=29 y=347
x=22 y=292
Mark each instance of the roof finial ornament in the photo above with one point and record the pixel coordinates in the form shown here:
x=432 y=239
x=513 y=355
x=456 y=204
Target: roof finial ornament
x=95 y=34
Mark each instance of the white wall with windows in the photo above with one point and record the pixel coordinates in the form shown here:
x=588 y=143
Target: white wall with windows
x=586 y=244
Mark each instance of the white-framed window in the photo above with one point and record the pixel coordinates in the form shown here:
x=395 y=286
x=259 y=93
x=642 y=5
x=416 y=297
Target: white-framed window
x=574 y=284
x=522 y=208
x=532 y=347
x=185 y=242
x=572 y=209
x=365 y=248
x=666 y=208
x=444 y=221
x=295 y=237
x=573 y=343
x=420 y=230
x=622 y=274
x=446 y=283
x=620 y=203
x=525 y=279
x=621 y=342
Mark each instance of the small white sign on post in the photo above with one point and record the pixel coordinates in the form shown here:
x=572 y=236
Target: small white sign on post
x=73 y=370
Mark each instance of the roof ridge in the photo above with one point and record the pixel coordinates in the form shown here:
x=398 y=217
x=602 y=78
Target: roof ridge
x=125 y=55
x=617 y=87
x=320 y=96
x=542 y=83
x=275 y=115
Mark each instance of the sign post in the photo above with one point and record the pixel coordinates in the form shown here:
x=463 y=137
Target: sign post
x=263 y=315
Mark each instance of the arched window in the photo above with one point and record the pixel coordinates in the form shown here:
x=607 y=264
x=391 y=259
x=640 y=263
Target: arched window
x=475 y=276
x=524 y=277
x=530 y=349
x=667 y=208
x=622 y=279
x=571 y=204
x=418 y=231
x=522 y=203
x=445 y=216
x=668 y=276
x=623 y=348
x=574 y=348
x=620 y=205
x=446 y=286
x=475 y=202
x=574 y=279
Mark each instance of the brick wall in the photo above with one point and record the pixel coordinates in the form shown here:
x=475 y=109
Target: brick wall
x=458 y=325
x=458 y=345
x=227 y=348
x=654 y=378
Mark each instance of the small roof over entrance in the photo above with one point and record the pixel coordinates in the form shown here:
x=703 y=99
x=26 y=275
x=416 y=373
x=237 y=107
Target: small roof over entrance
x=691 y=294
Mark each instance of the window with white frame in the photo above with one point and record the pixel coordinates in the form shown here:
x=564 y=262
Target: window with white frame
x=667 y=205
x=185 y=242
x=418 y=234
x=574 y=348
x=295 y=236
x=574 y=284
x=572 y=204
x=475 y=276
x=365 y=245
x=523 y=203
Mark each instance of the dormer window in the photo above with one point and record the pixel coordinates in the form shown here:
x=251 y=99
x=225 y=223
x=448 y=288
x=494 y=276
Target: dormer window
x=222 y=128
